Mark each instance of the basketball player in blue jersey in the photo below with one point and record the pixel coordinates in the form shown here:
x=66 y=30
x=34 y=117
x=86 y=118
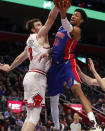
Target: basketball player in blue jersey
x=64 y=67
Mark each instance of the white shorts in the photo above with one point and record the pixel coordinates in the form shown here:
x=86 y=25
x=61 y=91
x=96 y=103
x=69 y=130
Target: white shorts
x=34 y=83
x=34 y=87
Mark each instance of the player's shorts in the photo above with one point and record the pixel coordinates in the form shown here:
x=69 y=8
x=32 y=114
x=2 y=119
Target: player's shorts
x=60 y=72
x=34 y=88
x=34 y=94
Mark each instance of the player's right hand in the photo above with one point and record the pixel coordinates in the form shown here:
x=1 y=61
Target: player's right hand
x=91 y=65
x=5 y=67
x=62 y=5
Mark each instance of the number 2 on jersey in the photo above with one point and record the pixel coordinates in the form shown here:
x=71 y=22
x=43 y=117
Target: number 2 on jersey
x=30 y=51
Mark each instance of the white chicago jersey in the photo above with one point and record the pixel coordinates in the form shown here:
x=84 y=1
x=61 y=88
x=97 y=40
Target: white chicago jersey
x=35 y=50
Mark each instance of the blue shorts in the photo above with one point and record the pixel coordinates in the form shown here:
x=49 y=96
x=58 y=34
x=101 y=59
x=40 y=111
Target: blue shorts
x=59 y=73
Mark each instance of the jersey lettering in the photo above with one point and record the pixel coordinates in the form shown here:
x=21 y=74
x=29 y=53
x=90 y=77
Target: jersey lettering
x=56 y=41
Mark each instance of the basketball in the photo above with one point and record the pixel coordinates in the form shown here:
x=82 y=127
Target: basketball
x=62 y=3
x=55 y=1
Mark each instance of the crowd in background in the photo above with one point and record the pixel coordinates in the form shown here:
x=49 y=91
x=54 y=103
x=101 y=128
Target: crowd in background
x=89 y=4
x=10 y=121
x=11 y=88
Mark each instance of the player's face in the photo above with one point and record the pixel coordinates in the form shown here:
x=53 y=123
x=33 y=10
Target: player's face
x=76 y=19
x=37 y=26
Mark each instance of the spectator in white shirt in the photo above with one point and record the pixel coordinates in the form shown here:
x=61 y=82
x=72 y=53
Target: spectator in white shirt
x=76 y=125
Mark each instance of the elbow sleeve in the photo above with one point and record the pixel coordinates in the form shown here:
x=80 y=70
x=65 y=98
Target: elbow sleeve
x=66 y=25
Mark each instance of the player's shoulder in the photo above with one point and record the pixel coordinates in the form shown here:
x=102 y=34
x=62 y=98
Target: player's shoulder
x=32 y=36
x=76 y=29
x=31 y=39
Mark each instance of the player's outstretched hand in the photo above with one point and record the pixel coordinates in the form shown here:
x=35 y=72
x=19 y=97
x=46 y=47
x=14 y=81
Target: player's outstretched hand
x=43 y=55
x=91 y=65
x=5 y=67
x=62 y=5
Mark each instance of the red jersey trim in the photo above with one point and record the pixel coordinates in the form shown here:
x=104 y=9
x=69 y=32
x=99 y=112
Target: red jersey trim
x=38 y=71
x=74 y=69
x=70 y=45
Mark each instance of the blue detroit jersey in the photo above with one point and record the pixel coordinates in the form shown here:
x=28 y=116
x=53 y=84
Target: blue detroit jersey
x=64 y=46
x=63 y=66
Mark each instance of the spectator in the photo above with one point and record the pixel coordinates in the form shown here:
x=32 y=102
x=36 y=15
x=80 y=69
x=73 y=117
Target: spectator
x=103 y=126
x=7 y=113
x=68 y=117
x=12 y=120
x=1 y=125
x=76 y=125
x=39 y=126
x=19 y=122
x=44 y=128
x=3 y=102
x=49 y=124
x=60 y=109
x=7 y=125
x=2 y=92
x=1 y=122
x=103 y=108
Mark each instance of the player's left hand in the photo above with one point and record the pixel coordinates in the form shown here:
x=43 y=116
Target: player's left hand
x=5 y=67
x=42 y=56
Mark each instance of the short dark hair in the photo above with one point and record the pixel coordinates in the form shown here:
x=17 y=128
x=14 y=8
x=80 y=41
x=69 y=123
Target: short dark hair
x=83 y=14
x=30 y=24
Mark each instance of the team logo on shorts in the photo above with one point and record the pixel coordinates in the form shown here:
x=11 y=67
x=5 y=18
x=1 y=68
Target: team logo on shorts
x=37 y=100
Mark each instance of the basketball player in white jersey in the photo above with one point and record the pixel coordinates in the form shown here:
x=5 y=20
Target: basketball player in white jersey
x=35 y=79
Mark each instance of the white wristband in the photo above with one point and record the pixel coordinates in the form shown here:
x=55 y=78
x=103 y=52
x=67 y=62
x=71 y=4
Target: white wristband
x=66 y=25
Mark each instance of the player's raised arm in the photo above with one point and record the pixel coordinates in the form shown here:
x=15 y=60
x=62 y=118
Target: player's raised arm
x=74 y=31
x=72 y=26
x=100 y=81
x=87 y=79
x=19 y=59
x=50 y=20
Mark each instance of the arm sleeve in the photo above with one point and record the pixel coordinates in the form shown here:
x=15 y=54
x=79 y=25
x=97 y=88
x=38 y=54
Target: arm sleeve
x=66 y=25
